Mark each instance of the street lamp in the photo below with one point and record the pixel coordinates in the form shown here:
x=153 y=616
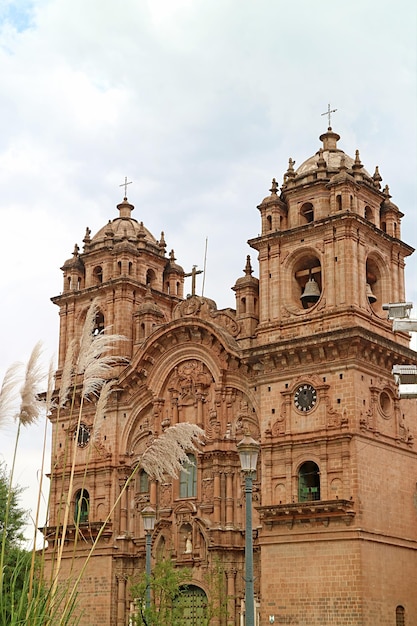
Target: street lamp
x=149 y=518
x=248 y=450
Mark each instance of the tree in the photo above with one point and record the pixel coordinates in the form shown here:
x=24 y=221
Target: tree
x=167 y=584
x=16 y=560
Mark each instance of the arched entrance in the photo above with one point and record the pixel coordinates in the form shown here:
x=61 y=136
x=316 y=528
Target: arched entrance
x=193 y=602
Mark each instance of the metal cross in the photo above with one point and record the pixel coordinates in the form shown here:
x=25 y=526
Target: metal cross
x=125 y=184
x=328 y=113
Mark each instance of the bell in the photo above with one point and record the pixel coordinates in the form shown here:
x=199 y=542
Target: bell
x=311 y=292
x=369 y=294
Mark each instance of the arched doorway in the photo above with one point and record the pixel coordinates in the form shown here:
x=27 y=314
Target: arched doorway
x=193 y=603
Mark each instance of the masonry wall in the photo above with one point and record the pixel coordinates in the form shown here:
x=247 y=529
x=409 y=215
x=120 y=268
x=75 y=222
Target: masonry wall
x=312 y=583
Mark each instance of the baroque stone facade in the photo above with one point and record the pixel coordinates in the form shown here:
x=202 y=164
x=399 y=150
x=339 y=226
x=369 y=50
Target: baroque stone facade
x=303 y=364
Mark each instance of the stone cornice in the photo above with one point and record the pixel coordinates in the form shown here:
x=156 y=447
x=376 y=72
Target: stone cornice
x=321 y=512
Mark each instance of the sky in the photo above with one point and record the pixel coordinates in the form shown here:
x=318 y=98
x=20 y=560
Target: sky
x=200 y=103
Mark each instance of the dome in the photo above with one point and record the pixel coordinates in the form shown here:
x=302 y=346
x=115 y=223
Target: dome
x=334 y=158
x=171 y=266
x=123 y=228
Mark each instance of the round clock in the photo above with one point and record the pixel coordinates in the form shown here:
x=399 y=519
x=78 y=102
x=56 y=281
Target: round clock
x=83 y=435
x=305 y=397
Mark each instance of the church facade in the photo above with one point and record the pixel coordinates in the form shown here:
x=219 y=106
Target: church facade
x=303 y=364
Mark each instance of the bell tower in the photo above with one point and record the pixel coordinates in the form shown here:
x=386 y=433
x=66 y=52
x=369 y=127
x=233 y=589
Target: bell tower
x=330 y=255
x=330 y=249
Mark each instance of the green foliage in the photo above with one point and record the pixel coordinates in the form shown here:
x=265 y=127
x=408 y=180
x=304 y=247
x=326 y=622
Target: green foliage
x=216 y=583
x=19 y=605
x=16 y=516
x=167 y=584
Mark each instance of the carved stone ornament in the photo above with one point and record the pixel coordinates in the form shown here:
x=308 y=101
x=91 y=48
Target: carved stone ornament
x=206 y=309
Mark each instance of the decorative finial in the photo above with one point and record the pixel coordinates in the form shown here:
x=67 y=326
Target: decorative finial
x=248 y=267
x=329 y=113
x=125 y=184
x=386 y=192
x=321 y=163
x=87 y=237
x=357 y=165
x=76 y=250
x=274 y=187
x=162 y=243
x=377 y=178
x=172 y=256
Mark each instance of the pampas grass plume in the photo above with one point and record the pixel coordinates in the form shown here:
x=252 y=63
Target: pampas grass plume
x=30 y=405
x=167 y=454
x=8 y=392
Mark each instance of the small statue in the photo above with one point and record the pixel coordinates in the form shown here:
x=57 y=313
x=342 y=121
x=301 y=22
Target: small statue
x=188 y=544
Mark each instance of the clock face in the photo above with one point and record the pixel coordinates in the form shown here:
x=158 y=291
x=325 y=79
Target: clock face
x=305 y=397
x=83 y=435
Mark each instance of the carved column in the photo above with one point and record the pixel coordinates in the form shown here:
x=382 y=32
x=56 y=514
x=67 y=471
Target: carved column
x=175 y=417
x=231 y=597
x=121 y=599
x=229 y=498
x=217 y=498
x=123 y=509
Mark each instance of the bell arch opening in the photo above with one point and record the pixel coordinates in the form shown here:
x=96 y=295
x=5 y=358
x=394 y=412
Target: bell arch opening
x=307 y=281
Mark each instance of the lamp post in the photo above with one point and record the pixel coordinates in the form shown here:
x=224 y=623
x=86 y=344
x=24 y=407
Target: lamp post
x=248 y=450
x=149 y=518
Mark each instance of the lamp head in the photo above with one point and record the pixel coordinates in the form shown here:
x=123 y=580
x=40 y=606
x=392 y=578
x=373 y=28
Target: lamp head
x=248 y=450
x=149 y=518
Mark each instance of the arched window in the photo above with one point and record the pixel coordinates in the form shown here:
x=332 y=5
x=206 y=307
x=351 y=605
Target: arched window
x=82 y=506
x=150 y=278
x=98 y=274
x=188 y=478
x=269 y=222
x=143 y=482
x=339 y=202
x=307 y=212
x=369 y=214
x=243 y=305
x=98 y=323
x=308 y=482
x=400 y=616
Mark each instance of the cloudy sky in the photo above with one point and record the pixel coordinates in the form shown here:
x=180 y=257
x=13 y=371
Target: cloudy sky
x=199 y=103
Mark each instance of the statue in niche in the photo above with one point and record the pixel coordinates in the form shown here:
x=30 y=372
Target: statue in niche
x=188 y=544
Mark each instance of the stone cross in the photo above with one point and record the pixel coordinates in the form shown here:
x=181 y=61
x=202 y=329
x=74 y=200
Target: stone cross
x=193 y=274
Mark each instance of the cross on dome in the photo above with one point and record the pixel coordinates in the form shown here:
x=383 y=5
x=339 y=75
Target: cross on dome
x=125 y=184
x=329 y=113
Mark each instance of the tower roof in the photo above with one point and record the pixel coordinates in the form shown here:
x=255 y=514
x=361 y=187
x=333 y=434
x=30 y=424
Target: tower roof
x=124 y=227
x=334 y=158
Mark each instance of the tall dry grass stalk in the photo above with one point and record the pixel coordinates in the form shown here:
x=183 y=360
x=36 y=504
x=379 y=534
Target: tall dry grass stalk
x=48 y=407
x=29 y=411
